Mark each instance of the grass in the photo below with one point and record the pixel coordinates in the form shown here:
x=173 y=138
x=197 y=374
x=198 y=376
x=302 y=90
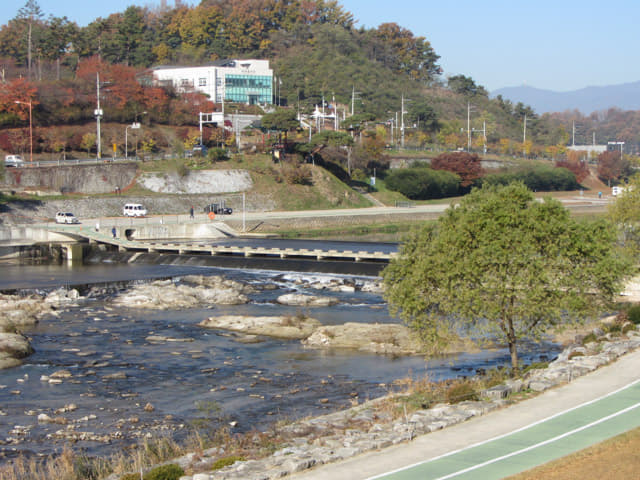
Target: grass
x=390 y=229
x=616 y=458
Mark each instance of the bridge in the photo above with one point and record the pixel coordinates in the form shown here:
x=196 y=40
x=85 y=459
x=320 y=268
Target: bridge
x=182 y=239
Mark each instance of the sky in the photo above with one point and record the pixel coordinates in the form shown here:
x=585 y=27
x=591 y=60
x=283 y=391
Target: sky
x=556 y=45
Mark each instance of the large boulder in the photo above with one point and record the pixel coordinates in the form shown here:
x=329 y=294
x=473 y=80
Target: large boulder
x=13 y=348
x=376 y=338
x=306 y=300
x=290 y=327
x=165 y=294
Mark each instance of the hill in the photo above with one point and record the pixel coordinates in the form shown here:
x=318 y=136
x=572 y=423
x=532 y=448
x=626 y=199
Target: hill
x=586 y=100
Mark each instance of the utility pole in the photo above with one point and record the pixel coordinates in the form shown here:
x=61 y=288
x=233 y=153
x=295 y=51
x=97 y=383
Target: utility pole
x=354 y=96
x=98 y=113
x=524 y=137
x=468 y=127
x=402 y=112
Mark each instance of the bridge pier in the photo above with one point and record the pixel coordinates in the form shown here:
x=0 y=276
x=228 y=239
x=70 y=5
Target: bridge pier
x=74 y=252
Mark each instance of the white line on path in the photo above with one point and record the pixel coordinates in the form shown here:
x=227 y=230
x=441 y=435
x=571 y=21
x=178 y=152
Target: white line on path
x=484 y=442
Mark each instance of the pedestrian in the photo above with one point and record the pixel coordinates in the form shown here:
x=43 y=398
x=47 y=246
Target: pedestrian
x=97 y=226
x=113 y=232
x=191 y=212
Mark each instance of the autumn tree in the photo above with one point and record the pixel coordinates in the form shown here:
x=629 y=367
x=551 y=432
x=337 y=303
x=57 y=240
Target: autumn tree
x=468 y=166
x=579 y=168
x=502 y=267
x=611 y=167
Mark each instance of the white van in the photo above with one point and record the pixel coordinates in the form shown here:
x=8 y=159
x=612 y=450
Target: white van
x=13 y=161
x=134 y=210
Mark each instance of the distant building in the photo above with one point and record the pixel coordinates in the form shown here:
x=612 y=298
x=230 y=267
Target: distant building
x=592 y=150
x=240 y=81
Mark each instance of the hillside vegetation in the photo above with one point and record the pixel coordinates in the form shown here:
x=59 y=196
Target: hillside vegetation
x=315 y=48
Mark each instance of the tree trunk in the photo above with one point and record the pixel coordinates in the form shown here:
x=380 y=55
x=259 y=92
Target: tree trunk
x=29 y=51
x=513 y=349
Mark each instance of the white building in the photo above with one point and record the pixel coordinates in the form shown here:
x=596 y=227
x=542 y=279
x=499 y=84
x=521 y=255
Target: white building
x=241 y=81
x=592 y=150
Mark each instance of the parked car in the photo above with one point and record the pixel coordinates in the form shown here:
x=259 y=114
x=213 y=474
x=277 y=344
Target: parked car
x=13 y=161
x=200 y=150
x=218 y=209
x=134 y=210
x=66 y=217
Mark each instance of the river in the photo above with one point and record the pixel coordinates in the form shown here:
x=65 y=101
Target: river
x=114 y=371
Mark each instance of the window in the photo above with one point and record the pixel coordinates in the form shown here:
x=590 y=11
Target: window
x=202 y=82
x=248 y=88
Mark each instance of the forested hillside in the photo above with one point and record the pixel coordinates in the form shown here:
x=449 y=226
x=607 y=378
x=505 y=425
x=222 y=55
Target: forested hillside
x=315 y=49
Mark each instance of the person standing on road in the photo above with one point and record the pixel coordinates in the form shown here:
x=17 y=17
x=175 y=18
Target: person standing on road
x=191 y=212
x=113 y=232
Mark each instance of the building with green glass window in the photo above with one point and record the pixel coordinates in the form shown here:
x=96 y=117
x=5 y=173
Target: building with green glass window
x=241 y=81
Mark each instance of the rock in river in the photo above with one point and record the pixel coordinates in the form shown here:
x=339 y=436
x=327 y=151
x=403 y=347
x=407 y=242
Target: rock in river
x=306 y=300
x=290 y=327
x=376 y=338
x=164 y=294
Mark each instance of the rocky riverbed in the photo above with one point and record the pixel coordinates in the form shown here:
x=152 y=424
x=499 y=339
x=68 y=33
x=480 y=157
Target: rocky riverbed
x=371 y=426
x=116 y=365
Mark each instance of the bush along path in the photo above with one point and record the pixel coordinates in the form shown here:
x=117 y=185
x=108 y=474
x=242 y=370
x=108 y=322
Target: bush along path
x=425 y=407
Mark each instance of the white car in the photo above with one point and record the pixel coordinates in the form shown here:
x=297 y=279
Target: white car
x=134 y=210
x=66 y=217
x=13 y=161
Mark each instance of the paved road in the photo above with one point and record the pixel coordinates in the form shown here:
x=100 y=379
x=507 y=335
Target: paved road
x=560 y=421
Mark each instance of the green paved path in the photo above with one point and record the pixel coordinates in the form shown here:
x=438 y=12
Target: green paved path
x=555 y=423
x=540 y=443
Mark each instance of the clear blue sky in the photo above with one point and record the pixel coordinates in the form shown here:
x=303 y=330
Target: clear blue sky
x=557 y=45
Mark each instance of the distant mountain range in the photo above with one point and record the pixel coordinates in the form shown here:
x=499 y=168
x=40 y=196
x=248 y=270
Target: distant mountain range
x=590 y=99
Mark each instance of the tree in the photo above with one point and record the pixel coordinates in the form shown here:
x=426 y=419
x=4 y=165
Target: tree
x=611 y=166
x=466 y=165
x=625 y=214
x=579 y=168
x=502 y=266
x=423 y=114
x=281 y=120
x=332 y=138
x=31 y=13
x=466 y=86
x=88 y=141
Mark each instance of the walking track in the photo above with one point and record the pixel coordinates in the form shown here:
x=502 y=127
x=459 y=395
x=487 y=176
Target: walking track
x=556 y=423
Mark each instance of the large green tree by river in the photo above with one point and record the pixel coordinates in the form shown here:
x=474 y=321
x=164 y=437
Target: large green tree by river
x=503 y=266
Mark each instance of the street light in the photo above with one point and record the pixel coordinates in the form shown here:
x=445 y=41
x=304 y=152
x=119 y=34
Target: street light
x=30 y=129
x=134 y=125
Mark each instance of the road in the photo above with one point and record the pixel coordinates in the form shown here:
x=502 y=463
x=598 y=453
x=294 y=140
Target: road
x=533 y=432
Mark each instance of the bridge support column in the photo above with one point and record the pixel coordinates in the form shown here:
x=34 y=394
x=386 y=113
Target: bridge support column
x=74 y=252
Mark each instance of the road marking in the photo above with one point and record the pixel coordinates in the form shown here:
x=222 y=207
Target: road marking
x=540 y=444
x=526 y=427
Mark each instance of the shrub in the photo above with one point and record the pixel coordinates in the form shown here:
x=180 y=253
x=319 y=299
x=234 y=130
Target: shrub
x=225 y=462
x=538 y=178
x=165 y=472
x=633 y=314
x=461 y=392
x=589 y=338
x=423 y=183
x=297 y=174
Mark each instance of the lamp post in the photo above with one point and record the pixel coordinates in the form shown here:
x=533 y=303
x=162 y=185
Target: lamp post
x=134 y=125
x=30 y=129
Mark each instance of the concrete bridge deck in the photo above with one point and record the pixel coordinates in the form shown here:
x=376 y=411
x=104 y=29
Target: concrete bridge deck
x=125 y=240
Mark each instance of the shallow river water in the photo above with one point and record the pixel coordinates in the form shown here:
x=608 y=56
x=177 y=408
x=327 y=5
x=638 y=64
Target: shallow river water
x=115 y=370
